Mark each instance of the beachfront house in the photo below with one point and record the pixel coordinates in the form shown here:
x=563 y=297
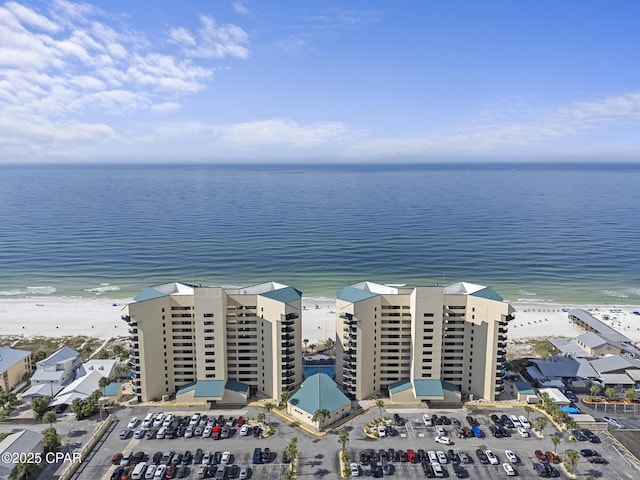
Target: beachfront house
x=53 y=373
x=14 y=364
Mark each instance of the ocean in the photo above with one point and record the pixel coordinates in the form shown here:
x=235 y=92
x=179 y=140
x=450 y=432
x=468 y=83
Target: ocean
x=564 y=233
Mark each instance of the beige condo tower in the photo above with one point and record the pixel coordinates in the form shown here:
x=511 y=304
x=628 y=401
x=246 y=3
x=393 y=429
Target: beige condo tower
x=215 y=345
x=424 y=344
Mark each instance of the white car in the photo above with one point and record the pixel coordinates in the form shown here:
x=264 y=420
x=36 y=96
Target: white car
x=437 y=469
x=244 y=430
x=382 y=432
x=150 y=471
x=524 y=422
x=493 y=460
x=432 y=456
x=206 y=433
x=511 y=456
x=443 y=440
x=355 y=469
x=427 y=420
x=160 y=471
x=133 y=423
x=195 y=418
x=226 y=457
x=523 y=432
x=442 y=458
x=167 y=420
x=188 y=433
x=157 y=422
x=613 y=422
x=440 y=430
x=515 y=421
x=509 y=469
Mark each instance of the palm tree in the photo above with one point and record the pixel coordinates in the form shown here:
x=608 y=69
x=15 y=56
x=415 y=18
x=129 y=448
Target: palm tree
x=555 y=439
x=343 y=438
x=50 y=418
x=610 y=392
x=540 y=423
x=25 y=471
x=268 y=407
x=380 y=404
x=260 y=417
x=572 y=459
x=285 y=396
x=595 y=390
x=319 y=415
x=306 y=343
x=529 y=410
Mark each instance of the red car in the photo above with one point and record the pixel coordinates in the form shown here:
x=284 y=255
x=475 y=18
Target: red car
x=411 y=456
x=542 y=458
x=170 y=472
x=552 y=457
x=116 y=459
x=240 y=421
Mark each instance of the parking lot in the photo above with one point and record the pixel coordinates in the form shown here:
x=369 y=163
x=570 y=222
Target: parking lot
x=318 y=457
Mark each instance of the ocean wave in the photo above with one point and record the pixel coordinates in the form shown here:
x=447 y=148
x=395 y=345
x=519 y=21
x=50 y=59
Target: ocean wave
x=104 y=287
x=319 y=299
x=42 y=290
x=8 y=293
x=613 y=293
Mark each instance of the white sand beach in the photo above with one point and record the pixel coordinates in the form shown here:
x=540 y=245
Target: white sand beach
x=100 y=317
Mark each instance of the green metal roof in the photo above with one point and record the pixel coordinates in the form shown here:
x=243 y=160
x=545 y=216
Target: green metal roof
x=400 y=386
x=428 y=387
x=284 y=295
x=149 y=293
x=205 y=388
x=319 y=391
x=353 y=295
x=488 y=293
x=236 y=386
x=525 y=388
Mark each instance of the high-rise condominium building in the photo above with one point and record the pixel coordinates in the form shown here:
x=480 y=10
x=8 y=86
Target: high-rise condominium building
x=434 y=344
x=212 y=344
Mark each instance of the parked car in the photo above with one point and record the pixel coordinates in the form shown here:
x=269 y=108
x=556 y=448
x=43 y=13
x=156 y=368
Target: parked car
x=482 y=457
x=542 y=458
x=493 y=460
x=552 y=457
x=245 y=472
x=524 y=422
x=597 y=460
x=509 y=470
x=579 y=435
x=511 y=456
x=523 y=432
x=587 y=452
x=133 y=423
x=382 y=432
x=443 y=440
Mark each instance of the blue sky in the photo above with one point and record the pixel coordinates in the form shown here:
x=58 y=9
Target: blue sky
x=314 y=81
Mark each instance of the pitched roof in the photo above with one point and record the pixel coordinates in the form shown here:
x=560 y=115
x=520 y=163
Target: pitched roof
x=205 y=388
x=400 y=386
x=611 y=363
x=65 y=353
x=80 y=388
x=284 y=295
x=23 y=441
x=319 y=391
x=353 y=295
x=166 y=289
x=10 y=356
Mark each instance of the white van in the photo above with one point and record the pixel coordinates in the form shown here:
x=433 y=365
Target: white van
x=148 y=421
x=138 y=472
x=161 y=433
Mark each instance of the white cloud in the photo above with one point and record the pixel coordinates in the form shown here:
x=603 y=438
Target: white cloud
x=240 y=8
x=61 y=66
x=212 y=40
x=281 y=132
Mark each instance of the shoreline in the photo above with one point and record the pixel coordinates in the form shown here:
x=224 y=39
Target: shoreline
x=99 y=317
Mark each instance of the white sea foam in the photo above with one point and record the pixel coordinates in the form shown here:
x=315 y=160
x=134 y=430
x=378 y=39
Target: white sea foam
x=7 y=293
x=613 y=293
x=104 y=287
x=42 y=290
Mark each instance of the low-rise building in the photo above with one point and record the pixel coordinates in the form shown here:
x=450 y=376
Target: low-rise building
x=54 y=373
x=14 y=364
x=319 y=402
x=19 y=443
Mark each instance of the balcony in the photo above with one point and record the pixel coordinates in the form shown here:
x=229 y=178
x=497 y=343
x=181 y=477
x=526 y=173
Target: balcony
x=288 y=374
x=502 y=338
x=133 y=346
x=133 y=330
x=503 y=330
x=288 y=366
x=288 y=381
x=288 y=359
x=288 y=329
x=126 y=318
x=288 y=351
x=287 y=337
x=501 y=352
x=137 y=390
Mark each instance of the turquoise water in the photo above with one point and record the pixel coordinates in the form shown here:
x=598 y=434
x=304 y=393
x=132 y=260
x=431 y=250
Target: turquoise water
x=564 y=233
